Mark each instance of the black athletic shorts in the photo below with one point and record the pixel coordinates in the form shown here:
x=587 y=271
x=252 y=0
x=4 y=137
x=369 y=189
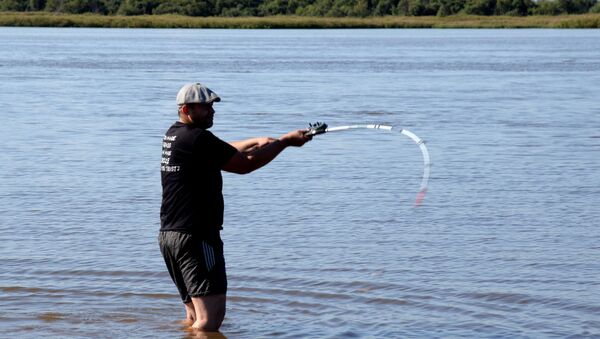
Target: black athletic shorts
x=196 y=264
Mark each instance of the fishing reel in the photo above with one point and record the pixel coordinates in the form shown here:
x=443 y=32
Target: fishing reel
x=316 y=128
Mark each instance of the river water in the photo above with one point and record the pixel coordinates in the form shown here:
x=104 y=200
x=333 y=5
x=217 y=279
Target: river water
x=324 y=241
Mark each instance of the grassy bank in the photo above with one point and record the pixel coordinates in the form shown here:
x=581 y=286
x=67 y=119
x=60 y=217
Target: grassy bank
x=43 y=19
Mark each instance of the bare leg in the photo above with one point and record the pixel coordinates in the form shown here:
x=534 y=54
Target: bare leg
x=210 y=311
x=190 y=313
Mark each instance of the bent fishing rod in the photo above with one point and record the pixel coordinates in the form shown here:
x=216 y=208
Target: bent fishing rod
x=322 y=128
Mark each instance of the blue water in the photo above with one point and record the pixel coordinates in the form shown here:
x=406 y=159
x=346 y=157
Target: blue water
x=324 y=241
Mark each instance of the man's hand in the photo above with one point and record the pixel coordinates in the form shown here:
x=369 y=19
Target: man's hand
x=295 y=138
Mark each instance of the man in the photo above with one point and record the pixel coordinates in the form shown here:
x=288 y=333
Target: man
x=192 y=202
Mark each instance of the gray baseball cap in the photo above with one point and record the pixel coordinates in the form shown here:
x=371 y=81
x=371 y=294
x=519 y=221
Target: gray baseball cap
x=196 y=94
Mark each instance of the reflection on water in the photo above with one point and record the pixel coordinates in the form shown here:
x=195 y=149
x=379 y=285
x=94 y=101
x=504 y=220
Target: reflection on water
x=324 y=242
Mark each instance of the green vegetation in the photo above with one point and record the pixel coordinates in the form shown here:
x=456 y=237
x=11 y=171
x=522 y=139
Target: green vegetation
x=317 y=8
x=42 y=19
x=301 y=13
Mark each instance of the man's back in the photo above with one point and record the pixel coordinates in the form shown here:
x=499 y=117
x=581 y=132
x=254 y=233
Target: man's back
x=192 y=201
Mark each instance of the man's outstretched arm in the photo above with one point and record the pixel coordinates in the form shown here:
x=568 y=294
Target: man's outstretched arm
x=250 y=145
x=247 y=161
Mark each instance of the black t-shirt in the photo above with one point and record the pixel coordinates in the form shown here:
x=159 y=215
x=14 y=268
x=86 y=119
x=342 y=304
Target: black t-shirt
x=192 y=199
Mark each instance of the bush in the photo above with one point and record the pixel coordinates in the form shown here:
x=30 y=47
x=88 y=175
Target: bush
x=13 y=5
x=360 y=9
x=556 y=7
x=513 y=7
x=285 y=7
x=480 y=7
x=384 y=7
x=595 y=8
x=448 y=7
x=548 y=8
x=21 y=5
x=132 y=7
x=236 y=8
x=76 y=6
x=169 y=8
x=198 y=8
x=418 y=7
x=337 y=8
x=233 y=11
x=112 y=6
x=138 y=7
x=577 y=6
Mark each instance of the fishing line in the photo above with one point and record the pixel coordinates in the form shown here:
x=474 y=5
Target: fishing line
x=321 y=128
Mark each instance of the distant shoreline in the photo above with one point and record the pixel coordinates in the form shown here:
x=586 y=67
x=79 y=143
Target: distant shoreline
x=44 y=19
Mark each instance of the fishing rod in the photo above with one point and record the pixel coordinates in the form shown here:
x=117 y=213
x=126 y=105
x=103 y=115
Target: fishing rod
x=322 y=128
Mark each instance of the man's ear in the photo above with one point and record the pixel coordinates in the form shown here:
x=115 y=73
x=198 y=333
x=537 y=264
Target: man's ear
x=185 y=109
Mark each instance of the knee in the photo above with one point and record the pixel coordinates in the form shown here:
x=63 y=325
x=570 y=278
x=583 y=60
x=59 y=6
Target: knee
x=209 y=324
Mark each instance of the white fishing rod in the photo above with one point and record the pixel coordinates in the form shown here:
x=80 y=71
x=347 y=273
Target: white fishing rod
x=321 y=128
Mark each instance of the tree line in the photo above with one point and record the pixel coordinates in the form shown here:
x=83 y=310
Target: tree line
x=326 y=8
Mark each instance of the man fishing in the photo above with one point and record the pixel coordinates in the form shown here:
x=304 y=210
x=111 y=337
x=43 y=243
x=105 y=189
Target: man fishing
x=192 y=202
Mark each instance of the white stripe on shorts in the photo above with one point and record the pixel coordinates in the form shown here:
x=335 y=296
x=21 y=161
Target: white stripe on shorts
x=209 y=256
